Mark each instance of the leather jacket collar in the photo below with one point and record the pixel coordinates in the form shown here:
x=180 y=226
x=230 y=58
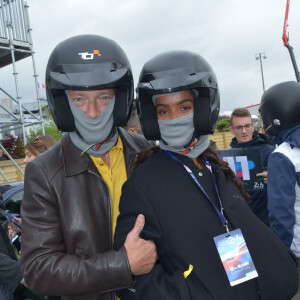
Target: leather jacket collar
x=75 y=163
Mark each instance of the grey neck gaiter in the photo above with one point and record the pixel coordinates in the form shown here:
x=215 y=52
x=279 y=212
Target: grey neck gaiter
x=91 y=132
x=177 y=133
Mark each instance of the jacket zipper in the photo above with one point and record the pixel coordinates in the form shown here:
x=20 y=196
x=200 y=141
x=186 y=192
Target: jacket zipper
x=110 y=216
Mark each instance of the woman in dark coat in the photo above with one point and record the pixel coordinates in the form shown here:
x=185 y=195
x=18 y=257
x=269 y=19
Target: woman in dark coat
x=209 y=243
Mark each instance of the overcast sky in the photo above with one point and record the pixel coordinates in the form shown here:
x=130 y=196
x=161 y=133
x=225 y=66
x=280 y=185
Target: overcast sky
x=228 y=33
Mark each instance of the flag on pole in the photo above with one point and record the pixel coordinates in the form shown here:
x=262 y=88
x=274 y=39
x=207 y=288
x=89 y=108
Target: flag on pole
x=41 y=85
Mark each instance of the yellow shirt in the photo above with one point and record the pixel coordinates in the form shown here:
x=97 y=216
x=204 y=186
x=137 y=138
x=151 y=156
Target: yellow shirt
x=114 y=176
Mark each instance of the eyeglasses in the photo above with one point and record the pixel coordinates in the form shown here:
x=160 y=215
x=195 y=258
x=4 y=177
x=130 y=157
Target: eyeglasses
x=240 y=128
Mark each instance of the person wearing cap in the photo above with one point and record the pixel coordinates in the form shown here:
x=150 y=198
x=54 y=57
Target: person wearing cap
x=72 y=191
x=210 y=244
x=280 y=112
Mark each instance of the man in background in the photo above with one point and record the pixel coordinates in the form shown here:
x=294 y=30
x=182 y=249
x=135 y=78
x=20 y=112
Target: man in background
x=241 y=125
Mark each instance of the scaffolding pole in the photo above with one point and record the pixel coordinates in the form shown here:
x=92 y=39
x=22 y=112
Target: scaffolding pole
x=26 y=19
x=15 y=44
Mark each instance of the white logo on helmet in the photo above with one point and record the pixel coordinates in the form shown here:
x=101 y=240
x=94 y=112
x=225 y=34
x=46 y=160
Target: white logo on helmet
x=87 y=55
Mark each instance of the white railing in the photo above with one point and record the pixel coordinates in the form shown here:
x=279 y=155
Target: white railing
x=13 y=15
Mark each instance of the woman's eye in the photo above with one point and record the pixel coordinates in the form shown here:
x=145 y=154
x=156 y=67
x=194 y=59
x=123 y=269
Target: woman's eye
x=185 y=108
x=161 y=112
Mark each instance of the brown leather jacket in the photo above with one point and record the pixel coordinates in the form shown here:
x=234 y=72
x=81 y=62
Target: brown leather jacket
x=66 y=225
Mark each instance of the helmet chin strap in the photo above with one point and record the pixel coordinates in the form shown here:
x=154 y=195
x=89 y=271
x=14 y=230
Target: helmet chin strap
x=98 y=145
x=191 y=146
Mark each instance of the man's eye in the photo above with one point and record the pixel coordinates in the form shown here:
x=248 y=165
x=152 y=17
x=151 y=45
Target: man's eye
x=106 y=98
x=78 y=100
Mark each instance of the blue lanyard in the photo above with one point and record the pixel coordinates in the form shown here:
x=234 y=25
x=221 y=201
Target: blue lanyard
x=208 y=165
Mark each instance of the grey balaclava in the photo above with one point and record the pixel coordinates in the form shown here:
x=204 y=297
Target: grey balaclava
x=90 y=133
x=177 y=133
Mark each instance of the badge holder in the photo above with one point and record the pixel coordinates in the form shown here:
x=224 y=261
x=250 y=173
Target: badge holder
x=235 y=257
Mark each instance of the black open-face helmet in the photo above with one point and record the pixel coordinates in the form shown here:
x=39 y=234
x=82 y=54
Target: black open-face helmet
x=280 y=107
x=175 y=71
x=88 y=62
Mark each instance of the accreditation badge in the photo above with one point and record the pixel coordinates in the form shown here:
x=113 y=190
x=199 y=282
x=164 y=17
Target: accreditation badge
x=235 y=257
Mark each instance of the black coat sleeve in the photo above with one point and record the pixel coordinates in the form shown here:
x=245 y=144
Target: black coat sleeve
x=158 y=284
x=10 y=272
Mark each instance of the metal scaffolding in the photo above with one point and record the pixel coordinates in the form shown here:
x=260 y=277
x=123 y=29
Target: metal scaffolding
x=16 y=44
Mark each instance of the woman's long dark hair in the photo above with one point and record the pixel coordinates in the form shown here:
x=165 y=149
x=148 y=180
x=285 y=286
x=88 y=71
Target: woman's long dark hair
x=210 y=154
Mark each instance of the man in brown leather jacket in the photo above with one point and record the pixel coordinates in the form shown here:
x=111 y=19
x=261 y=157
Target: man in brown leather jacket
x=72 y=191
